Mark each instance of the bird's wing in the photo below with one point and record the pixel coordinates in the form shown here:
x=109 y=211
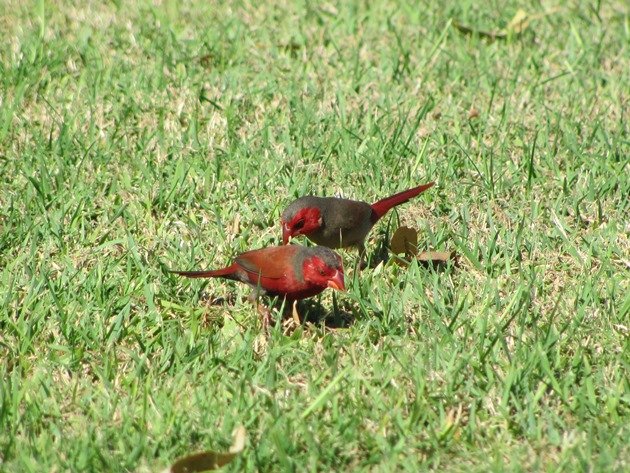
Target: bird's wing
x=267 y=263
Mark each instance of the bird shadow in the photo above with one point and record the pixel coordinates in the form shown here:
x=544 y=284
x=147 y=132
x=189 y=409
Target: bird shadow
x=216 y=301
x=313 y=312
x=309 y=311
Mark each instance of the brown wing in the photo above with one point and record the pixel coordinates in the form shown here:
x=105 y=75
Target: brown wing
x=351 y=214
x=267 y=263
x=346 y=222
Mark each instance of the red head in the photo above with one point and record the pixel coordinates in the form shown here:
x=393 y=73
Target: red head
x=323 y=267
x=301 y=217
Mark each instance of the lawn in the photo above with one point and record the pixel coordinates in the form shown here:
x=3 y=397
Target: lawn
x=137 y=138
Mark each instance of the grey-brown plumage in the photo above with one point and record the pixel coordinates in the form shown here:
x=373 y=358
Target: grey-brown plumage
x=338 y=223
x=344 y=222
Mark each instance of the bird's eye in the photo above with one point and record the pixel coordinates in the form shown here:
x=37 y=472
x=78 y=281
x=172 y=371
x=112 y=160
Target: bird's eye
x=299 y=224
x=322 y=272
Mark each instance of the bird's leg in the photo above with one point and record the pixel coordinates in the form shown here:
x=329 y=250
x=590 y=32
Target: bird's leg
x=264 y=312
x=265 y=316
x=362 y=253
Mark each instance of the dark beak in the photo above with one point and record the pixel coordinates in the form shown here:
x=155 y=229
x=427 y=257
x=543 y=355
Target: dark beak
x=286 y=233
x=336 y=282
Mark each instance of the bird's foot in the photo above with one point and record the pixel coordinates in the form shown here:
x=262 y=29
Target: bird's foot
x=363 y=263
x=265 y=317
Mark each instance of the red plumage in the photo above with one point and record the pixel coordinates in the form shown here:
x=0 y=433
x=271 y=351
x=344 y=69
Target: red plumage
x=383 y=206
x=294 y=272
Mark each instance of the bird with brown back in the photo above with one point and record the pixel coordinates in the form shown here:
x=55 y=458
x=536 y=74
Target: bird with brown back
x=291 y=272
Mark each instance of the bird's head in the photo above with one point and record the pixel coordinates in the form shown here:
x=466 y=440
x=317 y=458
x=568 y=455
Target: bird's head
x=301 y=217
x=323 y=267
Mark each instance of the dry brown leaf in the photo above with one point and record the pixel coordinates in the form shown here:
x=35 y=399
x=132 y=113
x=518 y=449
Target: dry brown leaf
x=209 y=460
x=435 y=258
x=404 y=240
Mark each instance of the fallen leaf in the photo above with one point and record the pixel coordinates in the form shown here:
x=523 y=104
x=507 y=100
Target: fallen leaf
x=404 y=240
x=473 y=113
x=209 y=460
x=436 y=258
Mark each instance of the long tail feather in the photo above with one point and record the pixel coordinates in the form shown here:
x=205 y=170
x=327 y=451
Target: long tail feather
x=215 y=273
x=383 y=206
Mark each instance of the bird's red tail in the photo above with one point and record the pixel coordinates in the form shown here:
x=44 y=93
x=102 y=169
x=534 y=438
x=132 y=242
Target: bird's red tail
x=215 y=273
x=383 y=206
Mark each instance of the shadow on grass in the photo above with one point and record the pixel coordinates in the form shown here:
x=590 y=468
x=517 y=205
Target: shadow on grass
x=216 y=301
x=311 y=311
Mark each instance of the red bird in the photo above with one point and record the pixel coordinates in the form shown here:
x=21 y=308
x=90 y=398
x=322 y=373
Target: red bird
x=338 y=223
x=292 y=272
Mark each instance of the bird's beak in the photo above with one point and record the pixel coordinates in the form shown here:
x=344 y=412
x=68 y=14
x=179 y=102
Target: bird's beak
x=286 y=233
x=336 y=282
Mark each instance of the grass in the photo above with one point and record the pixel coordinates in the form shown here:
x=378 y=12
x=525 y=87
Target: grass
x=134 y=139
